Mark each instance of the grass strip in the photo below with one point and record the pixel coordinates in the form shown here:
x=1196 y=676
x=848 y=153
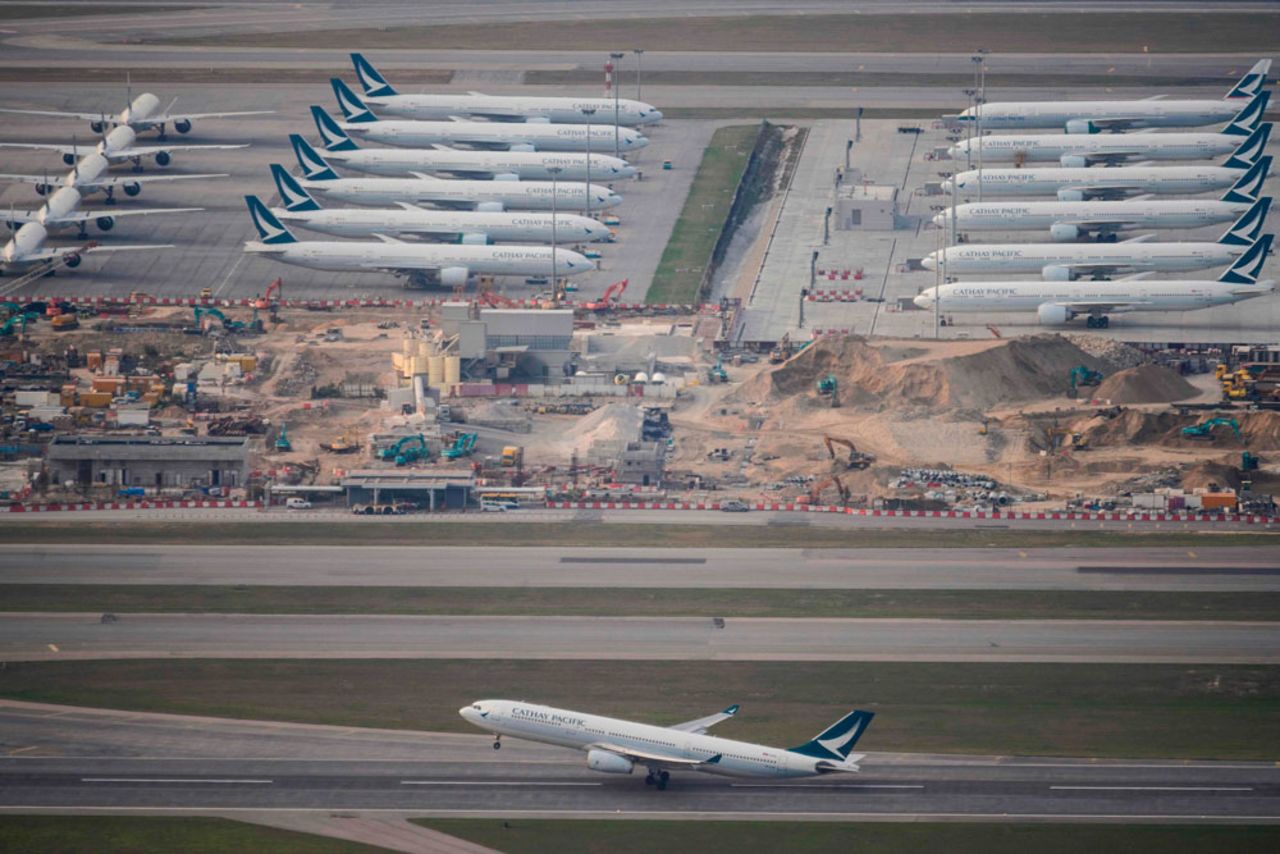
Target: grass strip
x=688 y=251
x=534 y=836
x=1102 y=710
x=214 y=75
x=644 y=602
x=1013 y=32
x=869 y=79
x=794 y=534
x=22 y=11
x=109 y=834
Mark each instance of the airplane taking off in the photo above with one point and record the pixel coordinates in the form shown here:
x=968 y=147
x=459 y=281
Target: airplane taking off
x=616 y=746
x=90 y=175
x=118 y=146
x=462 y=163
x=59 y=213
x=1063 y=262
x=1085 y=184
x=143 y=113
x=1097 y=116
x=467 y=227
x=421 y=188
x=27 y=249
x=496 y=108
x=1057 y=303
x=1074 y=150
x=422 y=264
x=508 y=136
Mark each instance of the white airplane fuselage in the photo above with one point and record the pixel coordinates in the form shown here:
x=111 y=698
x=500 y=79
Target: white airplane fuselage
x=477 y=227
x=467 y=195
x=1131 y=180
x=372 y=256
x=512 y=109
x=1116 y=216
x=1014 y=115
x=1063 y=147
x=585 y=732
x=1056 y=260
x=499 y=135
x=1145 y=295
x=523 y=165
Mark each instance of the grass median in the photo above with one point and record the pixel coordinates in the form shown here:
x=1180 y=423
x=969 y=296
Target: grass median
x=1090 y=710
x=643 y=602
x=106 y=834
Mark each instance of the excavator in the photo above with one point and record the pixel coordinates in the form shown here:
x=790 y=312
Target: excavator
x=611 y=295
x=718 y=373
x=782 y=351
x=407 y=450
x=1082 y=375
x=463 y=446
x=829 y=387
x=270 y=300
x=815 y=494
x=1204 y=430
x=282 y=441
x=856 y=459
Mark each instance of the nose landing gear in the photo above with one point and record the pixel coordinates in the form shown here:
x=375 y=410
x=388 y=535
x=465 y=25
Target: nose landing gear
x=497 y=742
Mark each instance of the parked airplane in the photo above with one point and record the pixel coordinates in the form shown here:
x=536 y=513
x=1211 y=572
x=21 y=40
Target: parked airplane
x=407 y=220
x=118 y=146
x=1095 y=116
x=90 y=175
x=616 y=746
x=143 y=113
x=341 y=149
x=27 y=249
x=1068 y=221
x=1075 y=151
x=1085 y=184
x=498 y=108
x=60 y=213
x=525 y=136
x=422 y=264
x=1061 y=262
x=421 y=188
x=1056 y=303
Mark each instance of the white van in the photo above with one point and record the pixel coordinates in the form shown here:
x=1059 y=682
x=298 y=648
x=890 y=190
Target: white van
x=494 y=505
x=298 y=504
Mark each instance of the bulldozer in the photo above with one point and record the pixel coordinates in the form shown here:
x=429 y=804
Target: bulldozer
x=856 y=459
x=815 y=493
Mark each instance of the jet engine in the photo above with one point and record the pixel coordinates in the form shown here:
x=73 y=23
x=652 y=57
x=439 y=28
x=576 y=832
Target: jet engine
x=1056 y=273
x=474 y=239
x=182 y=125
x=43 y=189
x=490 y=207
x=1073 y=161
x=609 y=763
x=537 y=120
x=522 y=146
x=105 y=223
x=1053 y=315
x=132 y=189
x=506 y=176
x=454 y=277
x=72 y=259
x=96 y=127
x=1070 y=194
x=163 y=158
x=1081 y=126
x=1064 y=232
x=69 y=159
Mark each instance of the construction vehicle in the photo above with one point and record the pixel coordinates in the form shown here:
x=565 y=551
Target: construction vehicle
x=815 y=494
x=206 y=293
x=463 y=446
x=407 y=450
x=856 y=459
x=1081 y=375
x=344 y=444
x=282 y=441
x=512 y=456
x=718 y=373
x=610 y=297
x=64 y=322
x=782 y=351
x=1060 y=437
x=829 y=387
x=18 y=321
x=1204 y=430
x=270 y=300
x=1249 y=462
x=229 y=325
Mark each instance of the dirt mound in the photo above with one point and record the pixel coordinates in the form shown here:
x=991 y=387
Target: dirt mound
x=1215 y=476
x=952 y=376
x=1259 y=431
x=1145 y=384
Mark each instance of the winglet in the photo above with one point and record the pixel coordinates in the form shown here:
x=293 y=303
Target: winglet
x=352 y=106
x=371 y=81
x=732 y=710
x=314 y=167
x=335 y=138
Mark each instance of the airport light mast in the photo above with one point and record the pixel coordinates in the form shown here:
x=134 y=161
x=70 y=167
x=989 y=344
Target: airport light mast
x=639 y=52
x=555 y=170
x=616 y=56
x=980 y=97
x=588 y=112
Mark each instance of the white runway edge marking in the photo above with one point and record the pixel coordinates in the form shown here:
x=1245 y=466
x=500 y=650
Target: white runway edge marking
x=821 y=786
x=169 y=780
x=487 y=783
x=1154 y=788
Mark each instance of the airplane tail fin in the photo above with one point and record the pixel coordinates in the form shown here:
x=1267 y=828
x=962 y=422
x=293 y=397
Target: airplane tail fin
x=374 y=83
x=270 y=229
x=1251 y=149
x=1248 y=267
x=314 y=167
x=293 y=194
x=1245 y=230
x=836 y=742
x=1248 y=188
x=352 y=105
x=1250 y=115
x=1253 y=82
x=335 y=138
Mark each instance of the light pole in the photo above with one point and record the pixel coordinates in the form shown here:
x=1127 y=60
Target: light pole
x=554 y=170
x=639 y=52
x=968 y=127
x=979 y=98
x=616 y=56
x=588 y=112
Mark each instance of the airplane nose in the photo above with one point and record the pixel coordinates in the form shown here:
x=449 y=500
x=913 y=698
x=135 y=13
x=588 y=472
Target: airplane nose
x=468 y=714
x=928 y=261
x=940 y=219
x=923 y=301
x=656 y=115
x=947 y=186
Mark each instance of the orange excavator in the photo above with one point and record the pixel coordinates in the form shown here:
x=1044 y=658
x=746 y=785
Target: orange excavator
x=611 y=295
x=856 y=459
x=270 y=299
x=815 y=494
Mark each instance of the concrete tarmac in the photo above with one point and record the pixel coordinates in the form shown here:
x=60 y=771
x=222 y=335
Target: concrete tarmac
x=61 y=637
x=63 y=759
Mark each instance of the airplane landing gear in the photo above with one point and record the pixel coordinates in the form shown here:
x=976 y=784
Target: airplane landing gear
x=1099 y=322
x=497 y=742
x=658 y=779
x=162 y=137
x=137 y=164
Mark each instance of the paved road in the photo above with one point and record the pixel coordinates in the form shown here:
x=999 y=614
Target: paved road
x=1202 y=568
x=54 y=637
x=84 y=759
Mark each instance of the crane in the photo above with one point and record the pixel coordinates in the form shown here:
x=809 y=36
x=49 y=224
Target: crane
x=1204 y=430
x=816 y=492
x=856 y=459
x=611 y=295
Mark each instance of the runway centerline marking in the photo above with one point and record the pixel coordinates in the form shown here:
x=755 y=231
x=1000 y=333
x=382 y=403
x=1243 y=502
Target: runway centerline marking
x=1154 y=788
x=172 y=780
x=488 y=783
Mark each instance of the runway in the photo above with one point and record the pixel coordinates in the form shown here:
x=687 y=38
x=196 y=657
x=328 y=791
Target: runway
x=53 y=637
x=200 y=763
x=1254 y=568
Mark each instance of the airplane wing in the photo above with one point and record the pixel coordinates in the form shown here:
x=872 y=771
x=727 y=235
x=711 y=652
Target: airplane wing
x=50 y=253
x=1084 y=306
x=152 y=150
x=174 y=117
x=74 y=150
x=105 y=180
x=1111 y=157
x=89 y=216
x=646 y=758
x=1117 y=122
x=701 y=725
x=92 y=117
x=1101 y=224
x=1106 y=191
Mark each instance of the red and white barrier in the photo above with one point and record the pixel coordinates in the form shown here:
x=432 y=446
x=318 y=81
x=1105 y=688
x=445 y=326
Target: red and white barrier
x=83 y=506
